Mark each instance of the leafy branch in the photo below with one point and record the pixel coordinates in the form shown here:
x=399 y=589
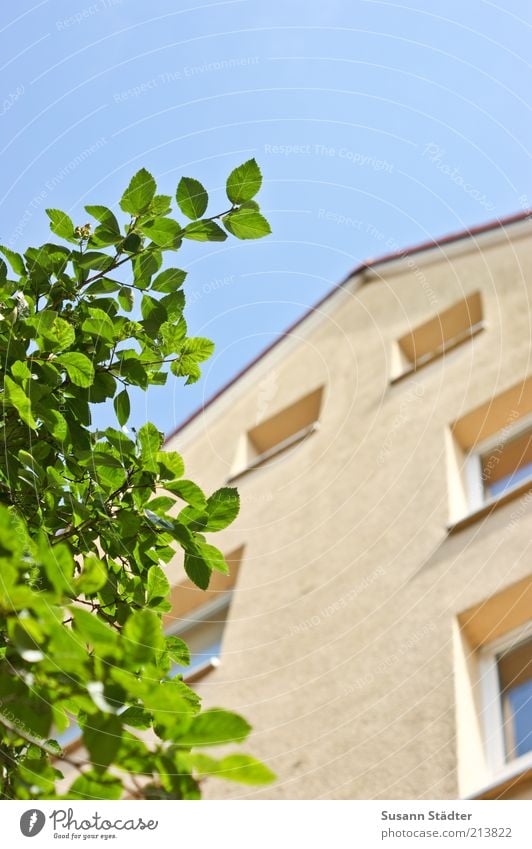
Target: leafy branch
x=90 y=519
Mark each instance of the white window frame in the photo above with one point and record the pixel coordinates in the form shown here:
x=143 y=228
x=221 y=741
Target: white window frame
x=477 y=497
x=492 y=718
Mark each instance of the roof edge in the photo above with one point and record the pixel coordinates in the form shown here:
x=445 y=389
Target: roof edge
x=367 y=264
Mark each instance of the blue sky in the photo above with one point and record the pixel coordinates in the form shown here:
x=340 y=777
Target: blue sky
x=375 y=123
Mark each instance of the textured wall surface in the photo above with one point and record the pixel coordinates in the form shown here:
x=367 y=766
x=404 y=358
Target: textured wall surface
x=339 y=642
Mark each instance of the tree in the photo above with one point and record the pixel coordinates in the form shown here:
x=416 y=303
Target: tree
x=89 y=518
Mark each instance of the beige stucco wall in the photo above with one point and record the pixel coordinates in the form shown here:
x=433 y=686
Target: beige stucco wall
x=339 y=646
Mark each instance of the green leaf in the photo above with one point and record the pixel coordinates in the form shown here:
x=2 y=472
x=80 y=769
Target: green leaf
x=37 y=772
x=132 y=370
x=64 y=333
x=189 y=492
x=246 y=224
x=215 y=727
x=193 y=351
x=15 y=260
x=30 y=714
x=55 y=422
x=95 y=260
x=28 y=460
x=93 y=630
x=244 y=182
x=161 y=205
x=192 y=198
x=169 y=280
x=150 y=441
x=250 y=204
x=78 y=367
x=46 y=260
x=93 y=786
x=137 y=717
x=99 y=324
x=67 y=652
x=174 y=304
x=93 y=576
x=52 y=328
x=104 y=216
x=171 y=464
x=144 y=267
x=172 y=703
x=198 y=348
x=222 y=508
x=104 y=238
x=197 y=569
x=101 y=736
x=161 y=504
x=104 y=387
x=178 y=651
x=157 y=585
x=58 y=566
x=104 y=286
x=54 y=745
x=186 y=367
x=122 y=407
x=204 y=231
x=139 y=194
x=20 y=370
x=164 y=232
x=126 y=298
x=20 y=401
x=172 y=334
x=128 y=523
x=213 y=557
x=109 y=477
x=152 y=313
x=61 y=224
x=134 y=756
x=241 y=768
x=132 y=244
x=143 y=635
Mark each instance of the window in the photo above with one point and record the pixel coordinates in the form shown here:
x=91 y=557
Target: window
x=506 y=681
x=490 y=454
x=492 y=652
x=507 y=464
x=278 y=433
x=514 y=667
x=199 y=618
x=436 y=337
x=202 y=630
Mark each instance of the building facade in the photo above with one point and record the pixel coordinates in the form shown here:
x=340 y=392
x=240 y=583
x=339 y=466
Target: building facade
x=376 y=628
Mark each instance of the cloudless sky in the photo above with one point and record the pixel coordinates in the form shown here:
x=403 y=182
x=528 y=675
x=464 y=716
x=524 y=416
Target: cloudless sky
x=375 y=124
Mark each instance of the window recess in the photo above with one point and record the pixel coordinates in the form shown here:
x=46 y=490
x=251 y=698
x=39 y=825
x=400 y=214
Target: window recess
x=506 y=691
x=437 y=336
x=489 y=455
x=279 y=433
x=492 y=650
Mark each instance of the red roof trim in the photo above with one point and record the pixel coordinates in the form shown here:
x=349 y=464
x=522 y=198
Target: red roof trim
x=363 y=266
x=444 y=240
